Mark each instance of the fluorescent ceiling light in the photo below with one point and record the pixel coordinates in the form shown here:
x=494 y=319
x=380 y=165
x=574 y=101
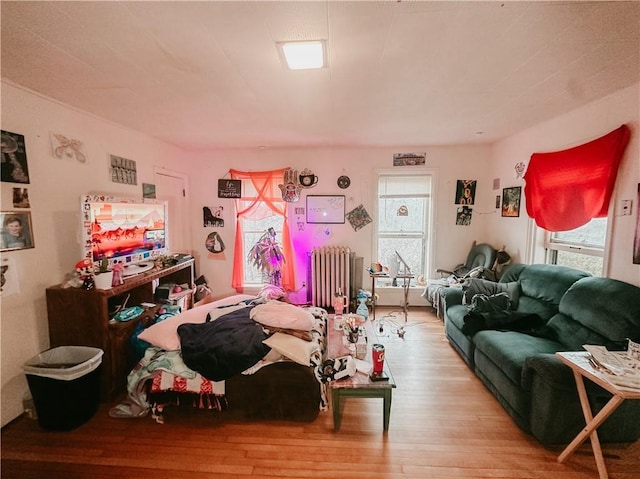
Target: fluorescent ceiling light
x=303 y=55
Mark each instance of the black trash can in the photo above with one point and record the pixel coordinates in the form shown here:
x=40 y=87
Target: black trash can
x=65 y=385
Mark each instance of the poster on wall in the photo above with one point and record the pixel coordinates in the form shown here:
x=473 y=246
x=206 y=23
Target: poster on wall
x=214 y=243
x=636 y=242
x=14 y=158
x=465 y=192
x=21 y=198
x=463 y=216
x=148 y=190
x=511 y=201
x=123 y=170
x=212 y=216
x=409 y=159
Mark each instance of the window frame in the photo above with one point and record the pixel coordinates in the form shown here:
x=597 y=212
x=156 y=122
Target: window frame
x=427 y=234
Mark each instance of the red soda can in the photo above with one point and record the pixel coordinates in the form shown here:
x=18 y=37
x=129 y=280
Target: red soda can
x=377 y=353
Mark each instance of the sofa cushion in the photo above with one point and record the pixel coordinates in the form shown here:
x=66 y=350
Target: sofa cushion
x=600 y=311
x=542 y=286
x=509 y=350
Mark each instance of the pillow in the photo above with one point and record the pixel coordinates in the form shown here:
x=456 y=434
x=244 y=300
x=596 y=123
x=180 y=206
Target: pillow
x=293 y=348
x=283 y=315
x=164 y=335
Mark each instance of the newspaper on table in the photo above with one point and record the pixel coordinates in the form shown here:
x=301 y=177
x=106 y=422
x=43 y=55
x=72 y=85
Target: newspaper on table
x=621 y=368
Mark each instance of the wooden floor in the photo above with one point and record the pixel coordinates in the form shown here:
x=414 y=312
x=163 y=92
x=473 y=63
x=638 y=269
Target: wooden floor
x=444 y=424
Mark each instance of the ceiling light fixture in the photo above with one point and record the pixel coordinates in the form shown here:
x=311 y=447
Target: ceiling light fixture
x=303 y=55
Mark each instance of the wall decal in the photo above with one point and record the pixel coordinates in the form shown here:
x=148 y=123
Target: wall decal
x=291 y=186
x=212 y=216
x=325 y=209
x=358 y=217
x=344 y=181
x=307 y=179
x=214 y=243
x=14 y=158
x=64 y=147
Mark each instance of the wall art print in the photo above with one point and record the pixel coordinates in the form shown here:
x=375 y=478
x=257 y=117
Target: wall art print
x=511 y=201
x=409 y=159
x=463 y=216
x=148 y=190
x=14 y=158
x=123 y=170
x=358 y=217
x=466 y=192
x=636 y=242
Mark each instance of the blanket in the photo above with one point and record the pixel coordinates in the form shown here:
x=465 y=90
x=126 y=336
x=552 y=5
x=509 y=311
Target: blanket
x=154 y=359
x=222 y=348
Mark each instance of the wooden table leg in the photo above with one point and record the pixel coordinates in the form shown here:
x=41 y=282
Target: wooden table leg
x=590 y=429
x=335 y=405
x=387 y=409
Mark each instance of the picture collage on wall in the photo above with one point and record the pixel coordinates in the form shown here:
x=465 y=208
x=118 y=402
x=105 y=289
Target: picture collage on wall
x=465 y=197
x=16 y=229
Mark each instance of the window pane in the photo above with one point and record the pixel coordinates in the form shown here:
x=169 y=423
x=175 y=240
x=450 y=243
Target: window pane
x=411 y=250
x=592 y=234
x=391 y=221
x=583 y=262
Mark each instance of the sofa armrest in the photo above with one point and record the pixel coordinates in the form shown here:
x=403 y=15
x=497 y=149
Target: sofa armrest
x=451 y=296
x=548 y=366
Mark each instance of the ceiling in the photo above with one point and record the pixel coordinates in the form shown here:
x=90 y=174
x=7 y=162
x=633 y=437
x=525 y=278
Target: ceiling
x=204 y=74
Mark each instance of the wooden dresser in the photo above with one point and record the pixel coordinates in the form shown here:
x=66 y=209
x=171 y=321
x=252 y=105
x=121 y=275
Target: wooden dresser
x=81 y=318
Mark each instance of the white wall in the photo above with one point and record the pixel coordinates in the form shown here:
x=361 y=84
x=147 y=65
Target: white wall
x=571 y=129
x=448 y=164
x=54 y=191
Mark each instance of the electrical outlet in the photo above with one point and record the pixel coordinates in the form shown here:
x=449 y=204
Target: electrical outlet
x=625 y=207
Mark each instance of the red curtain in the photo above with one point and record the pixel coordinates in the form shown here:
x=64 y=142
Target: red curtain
x=263 y=198
x=566 y=189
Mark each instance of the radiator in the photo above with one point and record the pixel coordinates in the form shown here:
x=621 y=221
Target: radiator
x=331 y=269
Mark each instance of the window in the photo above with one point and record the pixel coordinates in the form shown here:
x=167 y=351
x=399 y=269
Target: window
x=259 y=207
x=404 y=207
x=253 y=230
x=581 y=248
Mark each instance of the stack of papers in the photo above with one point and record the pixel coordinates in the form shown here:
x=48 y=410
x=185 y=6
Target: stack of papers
x=621 y=368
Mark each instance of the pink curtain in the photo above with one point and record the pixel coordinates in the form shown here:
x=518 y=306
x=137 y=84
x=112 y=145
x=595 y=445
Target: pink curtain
x=566 y=189
x=266 y=201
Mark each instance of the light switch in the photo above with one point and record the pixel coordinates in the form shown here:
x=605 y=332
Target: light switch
x=625 y=207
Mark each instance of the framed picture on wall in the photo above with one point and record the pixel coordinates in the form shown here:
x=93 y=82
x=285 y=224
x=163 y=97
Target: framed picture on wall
x=511 y=201
x=16 y=232
x=325 y=209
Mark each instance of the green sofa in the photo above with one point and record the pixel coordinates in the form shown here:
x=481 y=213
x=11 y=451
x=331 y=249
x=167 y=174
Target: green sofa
x=519 y=366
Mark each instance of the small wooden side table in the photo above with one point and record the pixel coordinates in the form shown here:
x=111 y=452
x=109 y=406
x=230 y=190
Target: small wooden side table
x=579 y=364
x=359 y=385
